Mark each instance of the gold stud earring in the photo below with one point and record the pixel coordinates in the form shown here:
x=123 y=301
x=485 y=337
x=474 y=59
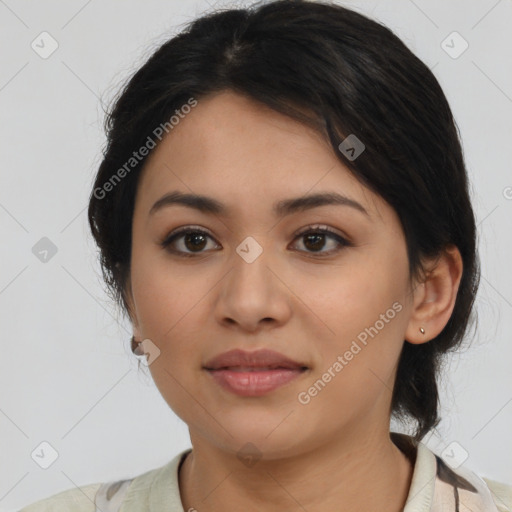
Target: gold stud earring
x=422 y=330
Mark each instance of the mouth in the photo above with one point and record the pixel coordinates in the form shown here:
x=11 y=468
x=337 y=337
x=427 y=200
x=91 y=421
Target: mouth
x=253 y=373
x=255 y=368
x=254 y=381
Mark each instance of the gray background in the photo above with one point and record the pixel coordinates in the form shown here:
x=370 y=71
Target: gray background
x=67 y=375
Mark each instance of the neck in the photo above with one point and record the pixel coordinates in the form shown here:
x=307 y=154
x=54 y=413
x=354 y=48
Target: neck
x=347 y=476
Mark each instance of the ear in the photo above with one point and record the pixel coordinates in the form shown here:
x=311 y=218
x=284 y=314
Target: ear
x=434 y=297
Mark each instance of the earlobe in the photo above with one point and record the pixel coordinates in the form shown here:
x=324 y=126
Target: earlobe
x=434 y=298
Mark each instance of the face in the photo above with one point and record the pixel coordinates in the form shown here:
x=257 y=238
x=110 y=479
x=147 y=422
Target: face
x=250 y=276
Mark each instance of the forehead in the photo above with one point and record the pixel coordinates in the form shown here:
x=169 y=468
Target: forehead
x=241 y=151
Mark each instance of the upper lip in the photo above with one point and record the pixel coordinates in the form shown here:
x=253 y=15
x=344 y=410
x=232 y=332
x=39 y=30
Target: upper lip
x=258 y=359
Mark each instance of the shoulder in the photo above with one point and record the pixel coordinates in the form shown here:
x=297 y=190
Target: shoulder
x=155 y=487
x=80 y=499
x=104 y=497
x=501 y=493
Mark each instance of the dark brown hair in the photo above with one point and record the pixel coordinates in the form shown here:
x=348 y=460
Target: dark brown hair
x=342 y=73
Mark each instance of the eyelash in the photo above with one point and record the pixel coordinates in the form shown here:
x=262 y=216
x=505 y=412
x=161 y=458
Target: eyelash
x=307 y=231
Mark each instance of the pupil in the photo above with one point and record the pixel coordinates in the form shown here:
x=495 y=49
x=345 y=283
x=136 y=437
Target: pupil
x=193 y=237
x=317 y=240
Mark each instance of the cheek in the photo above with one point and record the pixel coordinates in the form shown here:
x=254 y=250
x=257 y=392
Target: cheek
x=170 y=320
x=363 y=320
x=356 y=366
x=172 y=312
x=347 y=299
x=163 y=294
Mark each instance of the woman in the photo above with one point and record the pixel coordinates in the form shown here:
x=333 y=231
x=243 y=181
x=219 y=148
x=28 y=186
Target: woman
x=283 y=213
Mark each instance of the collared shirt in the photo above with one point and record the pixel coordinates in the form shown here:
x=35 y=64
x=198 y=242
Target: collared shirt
x=436 y=486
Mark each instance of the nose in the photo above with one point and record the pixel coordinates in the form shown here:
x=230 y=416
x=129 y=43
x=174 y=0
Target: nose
x=253 y=295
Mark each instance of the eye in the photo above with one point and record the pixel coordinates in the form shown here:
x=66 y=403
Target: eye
x=194 y=240
x=314 y=238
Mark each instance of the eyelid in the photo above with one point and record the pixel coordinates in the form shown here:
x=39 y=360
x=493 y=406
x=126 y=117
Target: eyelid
x=295 y=234
x=184 y=229
x=321 y=227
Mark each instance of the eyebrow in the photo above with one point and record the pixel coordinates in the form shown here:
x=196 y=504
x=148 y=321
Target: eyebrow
x=282 y=208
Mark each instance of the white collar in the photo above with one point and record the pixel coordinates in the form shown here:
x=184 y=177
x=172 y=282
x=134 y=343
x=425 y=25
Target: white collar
x=435 y=487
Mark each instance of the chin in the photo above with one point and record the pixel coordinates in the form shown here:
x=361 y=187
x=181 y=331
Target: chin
x=254 y=435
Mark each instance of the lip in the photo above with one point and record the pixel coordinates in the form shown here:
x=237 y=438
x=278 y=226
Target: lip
x=262 y=358
x=253 y=373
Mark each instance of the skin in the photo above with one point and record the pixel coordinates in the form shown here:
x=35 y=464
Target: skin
x=324 y=455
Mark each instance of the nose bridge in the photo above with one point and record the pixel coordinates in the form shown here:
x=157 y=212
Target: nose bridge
x=250 y=267
x=251 y=292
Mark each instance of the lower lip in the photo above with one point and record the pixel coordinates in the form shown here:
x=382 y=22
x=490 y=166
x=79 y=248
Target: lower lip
x=255 y=383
